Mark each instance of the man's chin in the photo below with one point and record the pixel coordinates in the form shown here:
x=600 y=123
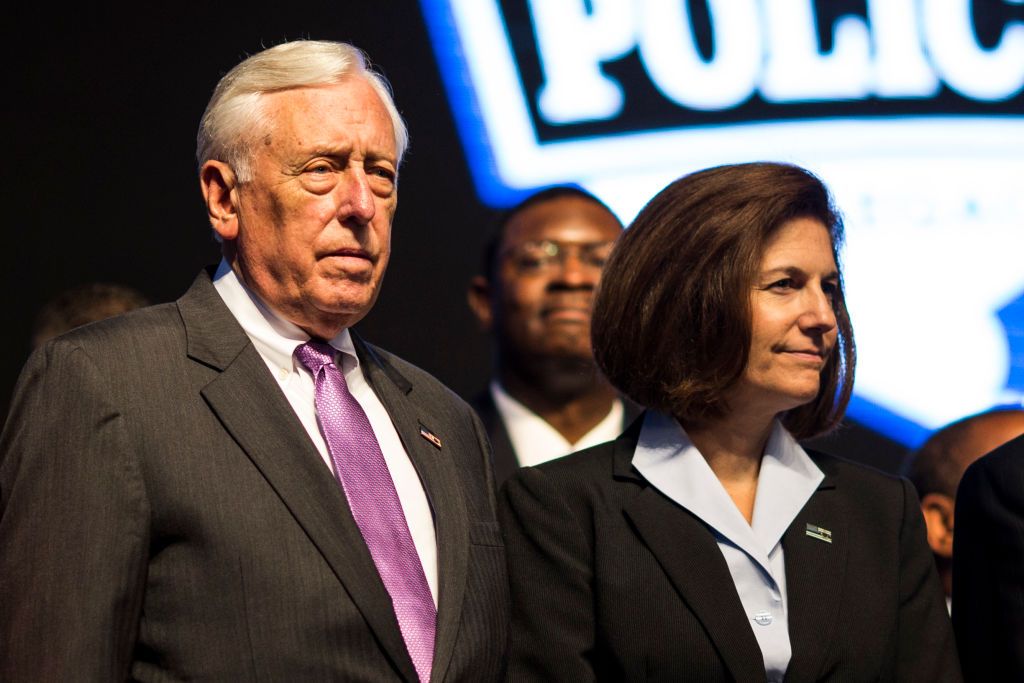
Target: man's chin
x=345 y=300
x=326 y=317
x=565 y=357
x=564 y=337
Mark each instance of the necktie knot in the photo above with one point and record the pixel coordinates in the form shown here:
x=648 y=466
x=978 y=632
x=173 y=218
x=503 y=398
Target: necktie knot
x=314 y=355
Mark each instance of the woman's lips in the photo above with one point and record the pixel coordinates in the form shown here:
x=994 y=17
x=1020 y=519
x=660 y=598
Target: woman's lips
x=806 y=355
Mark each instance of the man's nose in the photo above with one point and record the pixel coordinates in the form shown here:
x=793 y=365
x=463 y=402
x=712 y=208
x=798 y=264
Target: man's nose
x=357 y=201
x=573 y=270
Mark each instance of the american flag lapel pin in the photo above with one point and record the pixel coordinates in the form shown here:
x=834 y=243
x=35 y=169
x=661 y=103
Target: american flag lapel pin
x=819 y=533
x=430 y=436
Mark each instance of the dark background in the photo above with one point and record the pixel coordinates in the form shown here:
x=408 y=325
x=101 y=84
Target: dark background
x=99 y=175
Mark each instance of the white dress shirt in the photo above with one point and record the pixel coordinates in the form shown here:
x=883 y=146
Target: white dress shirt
x=535 y=441
x=668 y=459
x=275 y=340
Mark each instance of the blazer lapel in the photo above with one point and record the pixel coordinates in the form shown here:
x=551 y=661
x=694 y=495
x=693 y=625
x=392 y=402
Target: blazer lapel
x=815 y=571
x=689 y=554
x=440 y=478
x=257 y=415
x=503 y=456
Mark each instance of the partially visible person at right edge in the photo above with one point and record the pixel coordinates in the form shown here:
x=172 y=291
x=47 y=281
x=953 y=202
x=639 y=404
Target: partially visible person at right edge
x=988 y=566
x=705 y=544
x=935 y=470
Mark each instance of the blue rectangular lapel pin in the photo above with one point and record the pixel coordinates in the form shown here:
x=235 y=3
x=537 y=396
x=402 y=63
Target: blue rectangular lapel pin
x=430 y=436
x=818 y=533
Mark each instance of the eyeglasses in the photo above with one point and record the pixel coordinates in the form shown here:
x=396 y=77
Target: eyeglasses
x=544 y=255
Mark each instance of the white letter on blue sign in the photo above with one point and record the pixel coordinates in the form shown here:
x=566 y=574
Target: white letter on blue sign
x=964 y=65
x=796 y=68
x=572 y=45
x=900 y=67
x=670 y=54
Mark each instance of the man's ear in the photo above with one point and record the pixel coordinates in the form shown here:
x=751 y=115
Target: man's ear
x=479 y=298
x=938 y=518
x=218 y=183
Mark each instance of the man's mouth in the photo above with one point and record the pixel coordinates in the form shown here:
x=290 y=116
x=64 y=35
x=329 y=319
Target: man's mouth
x=567 y=313
x=351 y=253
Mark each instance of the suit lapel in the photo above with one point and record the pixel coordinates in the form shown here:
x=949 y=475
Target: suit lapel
x=503 y=457
x=440 y=478
x=814 y=576
x=257 y=415
x=689 y=555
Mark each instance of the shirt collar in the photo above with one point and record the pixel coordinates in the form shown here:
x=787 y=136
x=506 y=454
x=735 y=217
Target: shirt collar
x=535 y=441
x=787 y=480
x=668 y=459
x=273 y=336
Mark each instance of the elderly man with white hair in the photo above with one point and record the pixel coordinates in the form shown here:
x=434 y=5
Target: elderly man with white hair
x=235 y=486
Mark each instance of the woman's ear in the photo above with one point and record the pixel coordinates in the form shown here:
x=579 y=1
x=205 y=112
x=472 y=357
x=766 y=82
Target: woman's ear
x=218 y=183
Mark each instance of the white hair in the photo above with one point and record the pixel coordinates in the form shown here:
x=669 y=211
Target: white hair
x=235 y=114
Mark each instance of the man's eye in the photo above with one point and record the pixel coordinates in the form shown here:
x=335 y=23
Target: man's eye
x=528 y=262
x=320 y=169
x=385 y=173
x=599 y=256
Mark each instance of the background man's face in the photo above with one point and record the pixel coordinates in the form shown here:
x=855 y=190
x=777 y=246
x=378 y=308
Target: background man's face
x=314 y=231
x=548 y=266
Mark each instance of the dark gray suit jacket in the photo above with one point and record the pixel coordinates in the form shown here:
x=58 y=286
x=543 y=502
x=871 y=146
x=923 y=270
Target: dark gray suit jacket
x=502 y=453
x=165 y=516
x=613 y=581
x=988 y=566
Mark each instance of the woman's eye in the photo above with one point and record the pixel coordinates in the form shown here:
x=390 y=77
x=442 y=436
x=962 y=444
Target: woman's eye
x=785 y=283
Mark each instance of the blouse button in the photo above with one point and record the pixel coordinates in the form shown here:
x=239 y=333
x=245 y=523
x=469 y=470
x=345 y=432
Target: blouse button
x=763 y=618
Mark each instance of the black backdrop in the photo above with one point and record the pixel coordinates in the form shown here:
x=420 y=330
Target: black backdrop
x=99 y=177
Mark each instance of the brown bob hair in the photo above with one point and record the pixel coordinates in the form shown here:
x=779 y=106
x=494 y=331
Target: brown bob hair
x=671 y=325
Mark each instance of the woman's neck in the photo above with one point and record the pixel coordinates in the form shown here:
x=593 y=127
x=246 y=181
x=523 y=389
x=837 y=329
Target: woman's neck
x=732 y=447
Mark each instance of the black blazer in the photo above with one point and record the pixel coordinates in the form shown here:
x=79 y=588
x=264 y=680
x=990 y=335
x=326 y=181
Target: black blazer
x=613 y=581
x=988 y=566
x=165 y=516
x=503 y=455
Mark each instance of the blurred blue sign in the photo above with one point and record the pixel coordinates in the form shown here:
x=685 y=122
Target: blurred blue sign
x=911 y=110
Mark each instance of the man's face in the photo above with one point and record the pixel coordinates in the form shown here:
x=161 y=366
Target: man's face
x=548 y=265
x=314 y=223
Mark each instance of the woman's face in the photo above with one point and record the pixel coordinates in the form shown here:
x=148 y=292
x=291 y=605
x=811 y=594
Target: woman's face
x=793 y=320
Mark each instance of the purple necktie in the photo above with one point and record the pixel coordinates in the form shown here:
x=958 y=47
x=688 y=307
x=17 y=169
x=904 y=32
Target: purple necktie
x=371 y=494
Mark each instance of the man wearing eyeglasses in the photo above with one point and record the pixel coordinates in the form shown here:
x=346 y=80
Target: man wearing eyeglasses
x=540 y=270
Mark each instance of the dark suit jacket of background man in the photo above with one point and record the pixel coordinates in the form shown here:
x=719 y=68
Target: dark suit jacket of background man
x=219 y=545
x=502 y=453
x=988 y=566
x=633 y=587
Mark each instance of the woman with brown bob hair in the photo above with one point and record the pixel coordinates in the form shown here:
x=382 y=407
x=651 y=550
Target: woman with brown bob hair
x=706 y=543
